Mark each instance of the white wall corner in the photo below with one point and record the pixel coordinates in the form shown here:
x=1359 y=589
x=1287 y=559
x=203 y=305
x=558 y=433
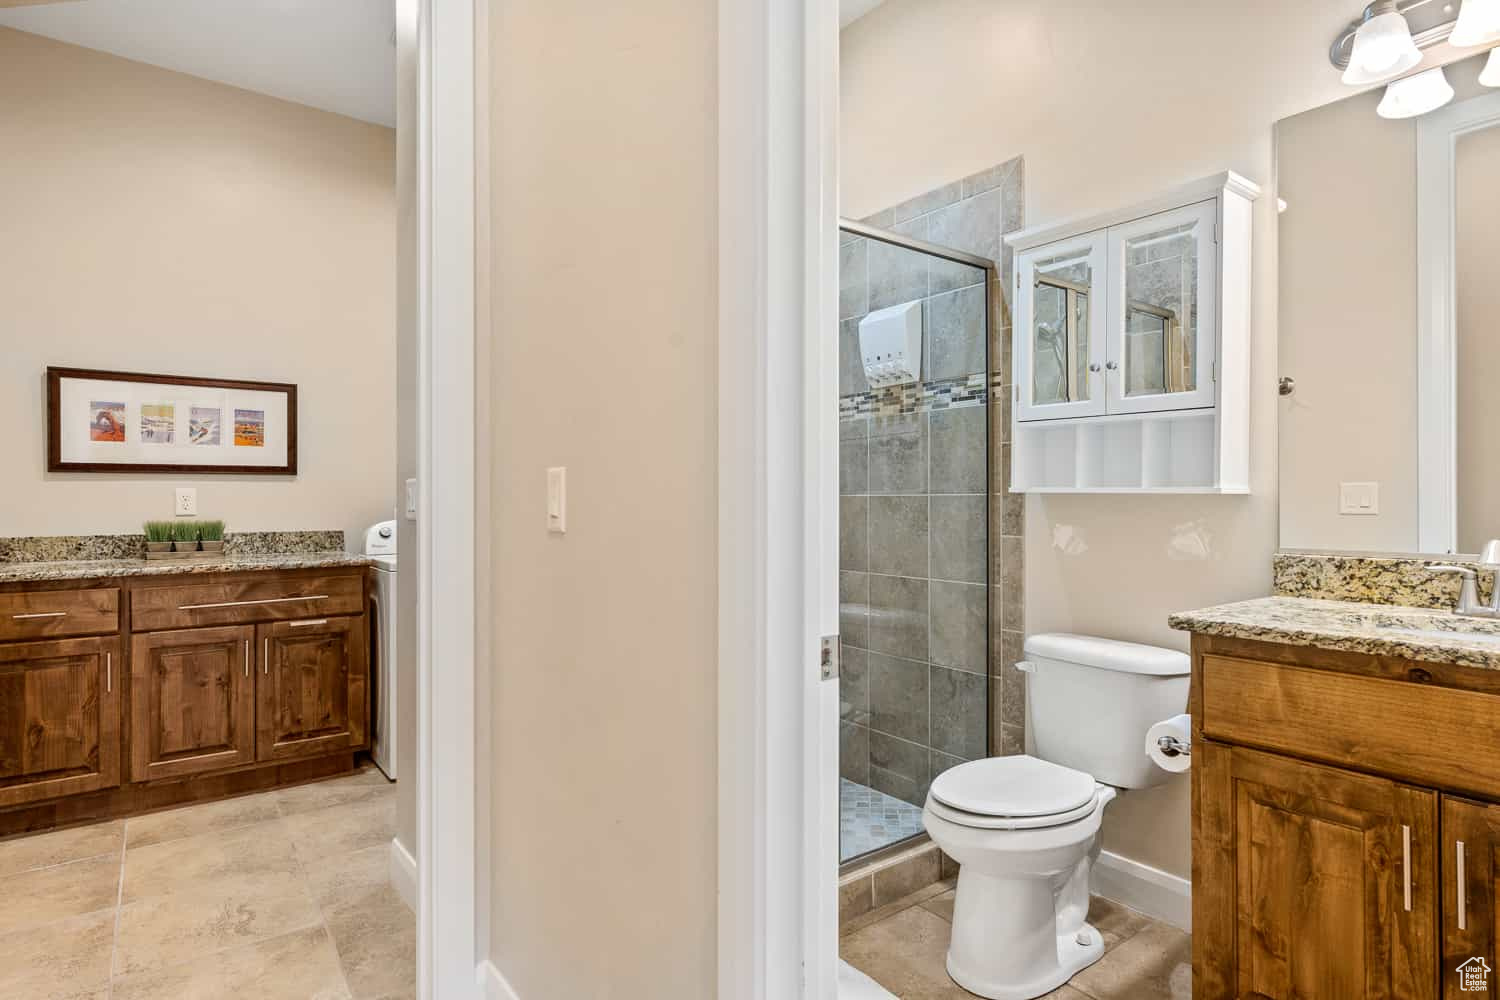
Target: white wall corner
x=495 y=986
x=1149 y=890
x=404 y=874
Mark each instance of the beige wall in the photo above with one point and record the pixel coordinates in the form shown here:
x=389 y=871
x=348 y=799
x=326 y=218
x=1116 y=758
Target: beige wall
x=603 y=721
x=1109 y=103
x=158 y=222
x=1476 y=165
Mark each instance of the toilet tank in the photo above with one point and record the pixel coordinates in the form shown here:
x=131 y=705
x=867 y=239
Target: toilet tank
x=1091 y=700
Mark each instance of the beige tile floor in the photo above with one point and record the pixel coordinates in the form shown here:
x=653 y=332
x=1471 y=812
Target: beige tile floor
x=282 y=895
x=903 y=946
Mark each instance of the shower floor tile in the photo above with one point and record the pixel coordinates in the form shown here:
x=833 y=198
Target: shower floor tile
x=869 y=820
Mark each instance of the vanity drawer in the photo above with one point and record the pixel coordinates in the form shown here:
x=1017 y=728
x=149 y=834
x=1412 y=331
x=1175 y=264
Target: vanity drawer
x=40 y=614
x=261 y=597
x=1442 y=737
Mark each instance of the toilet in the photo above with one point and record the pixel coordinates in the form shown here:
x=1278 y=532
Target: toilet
x=1025 y=829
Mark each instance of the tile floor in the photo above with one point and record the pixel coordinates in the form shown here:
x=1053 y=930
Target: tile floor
x=903 y=946
x=869 y=820
x=283 y=895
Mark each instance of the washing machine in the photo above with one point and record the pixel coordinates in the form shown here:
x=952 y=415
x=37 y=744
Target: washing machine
x=380 y=546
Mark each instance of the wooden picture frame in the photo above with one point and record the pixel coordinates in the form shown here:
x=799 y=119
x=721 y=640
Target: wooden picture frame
x=83 y=434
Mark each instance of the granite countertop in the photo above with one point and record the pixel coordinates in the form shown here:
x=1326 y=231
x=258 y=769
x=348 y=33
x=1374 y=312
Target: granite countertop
x=1356 y=627
x=92 y=569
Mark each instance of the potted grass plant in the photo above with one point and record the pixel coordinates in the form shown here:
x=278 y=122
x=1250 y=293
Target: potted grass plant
x=185 y=537
x=158 y=539
x=211 y=537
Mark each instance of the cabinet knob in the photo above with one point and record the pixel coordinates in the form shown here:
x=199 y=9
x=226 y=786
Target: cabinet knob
x=1112 y=365
x=1093 y=368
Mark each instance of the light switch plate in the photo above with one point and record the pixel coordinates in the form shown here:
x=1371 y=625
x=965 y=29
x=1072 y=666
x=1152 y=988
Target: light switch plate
x=557 y=499
x=186 y=502
x=411 y=499
x=1359 y=499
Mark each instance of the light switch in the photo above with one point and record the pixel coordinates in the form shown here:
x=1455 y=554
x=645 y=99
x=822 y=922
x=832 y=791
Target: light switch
x=411 y=499
x=557 y=499
x=1359 y=498
x=186 y=504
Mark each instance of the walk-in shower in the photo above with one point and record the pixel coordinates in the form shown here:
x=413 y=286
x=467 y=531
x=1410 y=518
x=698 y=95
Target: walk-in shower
x=914 y=485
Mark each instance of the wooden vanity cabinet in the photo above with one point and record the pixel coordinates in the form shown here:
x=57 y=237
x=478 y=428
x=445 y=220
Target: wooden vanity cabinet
x=205 y=685
x=1331 y=792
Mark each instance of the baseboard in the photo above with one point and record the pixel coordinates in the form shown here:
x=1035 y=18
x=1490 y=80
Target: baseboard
x=1150 y=890
x=404 y=874
x=495 y=986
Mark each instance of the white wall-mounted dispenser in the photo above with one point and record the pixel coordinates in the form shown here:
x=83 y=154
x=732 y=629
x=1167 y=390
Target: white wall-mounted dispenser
x=890 y=342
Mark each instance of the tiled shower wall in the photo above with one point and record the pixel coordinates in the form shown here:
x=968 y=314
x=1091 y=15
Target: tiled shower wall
x=930 y=586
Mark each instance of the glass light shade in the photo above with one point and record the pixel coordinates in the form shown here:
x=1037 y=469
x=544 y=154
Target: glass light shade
x=1416 y=95
x=1478 y=24
x=1490 y=75
x=1383 y=50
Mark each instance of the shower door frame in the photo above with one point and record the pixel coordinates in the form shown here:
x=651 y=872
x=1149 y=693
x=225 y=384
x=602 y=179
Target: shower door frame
x=991 y=278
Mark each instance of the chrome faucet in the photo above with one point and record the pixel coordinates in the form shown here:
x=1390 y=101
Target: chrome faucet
x=1468 y=588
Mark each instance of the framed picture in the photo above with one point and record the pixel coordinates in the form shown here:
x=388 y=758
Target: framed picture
x=99 y=421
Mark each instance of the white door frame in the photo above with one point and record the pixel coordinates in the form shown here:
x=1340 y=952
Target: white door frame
x=447 y=845
x=778 y=498
x=1437 y=317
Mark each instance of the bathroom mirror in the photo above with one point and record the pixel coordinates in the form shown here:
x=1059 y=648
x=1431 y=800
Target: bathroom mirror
x=1389 y=324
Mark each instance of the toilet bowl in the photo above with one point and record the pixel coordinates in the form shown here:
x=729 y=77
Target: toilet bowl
x=1025 y=829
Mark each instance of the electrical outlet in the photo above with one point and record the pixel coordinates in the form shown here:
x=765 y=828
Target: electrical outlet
x=187 y=502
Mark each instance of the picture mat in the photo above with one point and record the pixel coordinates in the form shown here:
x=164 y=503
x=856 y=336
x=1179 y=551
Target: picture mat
x=76 y=397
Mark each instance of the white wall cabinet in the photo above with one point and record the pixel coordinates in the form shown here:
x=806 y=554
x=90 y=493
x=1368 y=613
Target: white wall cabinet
x=1131 y=347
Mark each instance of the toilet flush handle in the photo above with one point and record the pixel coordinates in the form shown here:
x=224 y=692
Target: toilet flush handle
x=1026 y=666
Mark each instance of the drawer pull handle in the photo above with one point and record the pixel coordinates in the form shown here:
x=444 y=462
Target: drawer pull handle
x=249 y=604
x=247 y=657
x=265 y=656
x=1406 y=864
x=109 y=672
x=41 y=614
x=1463 y=891
x=310 y=621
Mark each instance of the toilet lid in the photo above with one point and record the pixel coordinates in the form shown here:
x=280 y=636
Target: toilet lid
x=1013 y=786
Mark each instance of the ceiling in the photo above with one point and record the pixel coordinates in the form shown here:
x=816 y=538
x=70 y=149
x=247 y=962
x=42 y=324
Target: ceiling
x=852 y=10
x=332 y=54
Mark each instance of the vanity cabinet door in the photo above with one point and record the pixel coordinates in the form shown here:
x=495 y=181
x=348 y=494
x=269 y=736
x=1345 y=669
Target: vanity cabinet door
x=192 y=701
x=59 y=718
x=1059 y=347
x=312 y=689
x=1471 y=841
x=1310 y=881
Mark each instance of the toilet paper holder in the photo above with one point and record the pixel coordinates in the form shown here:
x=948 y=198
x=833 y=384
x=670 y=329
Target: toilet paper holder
x=1171 y=746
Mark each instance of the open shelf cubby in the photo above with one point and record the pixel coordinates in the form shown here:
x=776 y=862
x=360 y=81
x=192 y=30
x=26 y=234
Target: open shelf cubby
x=1171 y=452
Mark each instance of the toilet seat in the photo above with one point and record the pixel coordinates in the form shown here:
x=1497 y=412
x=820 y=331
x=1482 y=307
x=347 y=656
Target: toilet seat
x=1012 y=793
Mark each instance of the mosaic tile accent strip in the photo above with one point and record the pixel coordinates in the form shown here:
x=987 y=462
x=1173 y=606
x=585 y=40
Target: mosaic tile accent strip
x=870 y=820
x=920 y=397
x=1399 y=580
x=75 y=548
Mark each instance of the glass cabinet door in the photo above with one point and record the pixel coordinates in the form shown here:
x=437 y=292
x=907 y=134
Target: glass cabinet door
x=1060 y=303
x=1161 y=312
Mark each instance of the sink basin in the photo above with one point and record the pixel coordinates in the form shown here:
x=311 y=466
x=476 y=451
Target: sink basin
x=1460 y=634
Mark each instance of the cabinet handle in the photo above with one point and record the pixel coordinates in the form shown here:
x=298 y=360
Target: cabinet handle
x=1463 y=891
x=250 y=604
x=247 y=657
x=1406 y=864
x=40 y=614
x=1112 y=365
x=307 y=622
x=265 y=656
x=109 y=672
